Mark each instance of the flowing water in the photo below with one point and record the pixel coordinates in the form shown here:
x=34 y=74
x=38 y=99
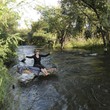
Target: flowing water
x=82 y=82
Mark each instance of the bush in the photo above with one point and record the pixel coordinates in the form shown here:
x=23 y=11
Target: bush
x=4 y=84
x=38 y=40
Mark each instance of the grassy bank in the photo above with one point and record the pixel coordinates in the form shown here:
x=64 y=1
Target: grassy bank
x=93 y=44
x=5 y=81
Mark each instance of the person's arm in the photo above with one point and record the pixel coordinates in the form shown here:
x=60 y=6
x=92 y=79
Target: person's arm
x=45 y=55
x=30 y=56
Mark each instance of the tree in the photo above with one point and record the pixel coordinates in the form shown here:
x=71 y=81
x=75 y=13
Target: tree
x=94 y=12
x=8 y=42
x=58 y=23
x=8 y=36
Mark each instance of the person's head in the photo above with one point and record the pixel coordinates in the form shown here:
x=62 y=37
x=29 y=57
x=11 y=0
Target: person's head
x=36 y=51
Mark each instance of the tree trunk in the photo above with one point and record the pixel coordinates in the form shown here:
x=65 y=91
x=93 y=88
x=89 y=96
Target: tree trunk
x=62 y=39
x=104 y=37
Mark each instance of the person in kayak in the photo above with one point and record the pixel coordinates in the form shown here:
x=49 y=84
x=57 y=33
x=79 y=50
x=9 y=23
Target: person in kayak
x=37 y=61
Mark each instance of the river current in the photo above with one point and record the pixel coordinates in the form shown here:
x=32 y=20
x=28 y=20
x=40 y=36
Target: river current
x=80 y=83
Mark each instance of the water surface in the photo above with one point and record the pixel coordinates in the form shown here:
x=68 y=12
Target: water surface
x=81 y=83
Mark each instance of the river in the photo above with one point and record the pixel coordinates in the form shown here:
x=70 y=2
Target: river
x=80 y=83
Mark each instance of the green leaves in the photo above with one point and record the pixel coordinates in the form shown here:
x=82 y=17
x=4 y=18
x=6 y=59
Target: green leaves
x=8 y=42
x=4 y=83
x=96 y=12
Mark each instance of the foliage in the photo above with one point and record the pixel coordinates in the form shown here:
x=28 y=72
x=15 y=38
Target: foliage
x=8 y=20
x=40 y=25
x=8 y=46
x=8 y=42
x=23 y=35
x=57 y=23
x=94 y=15
x=94 y=10
x=8 y=36
x=4 y=84
x=91 y=44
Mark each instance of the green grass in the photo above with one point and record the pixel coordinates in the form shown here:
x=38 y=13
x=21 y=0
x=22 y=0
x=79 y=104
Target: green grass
x=4 y=85
x=93 y=44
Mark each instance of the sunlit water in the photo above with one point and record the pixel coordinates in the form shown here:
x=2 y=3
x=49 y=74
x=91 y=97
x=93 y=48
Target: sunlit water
x=24 y=51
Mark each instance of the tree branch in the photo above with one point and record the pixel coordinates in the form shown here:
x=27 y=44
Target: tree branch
x=92 y=7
